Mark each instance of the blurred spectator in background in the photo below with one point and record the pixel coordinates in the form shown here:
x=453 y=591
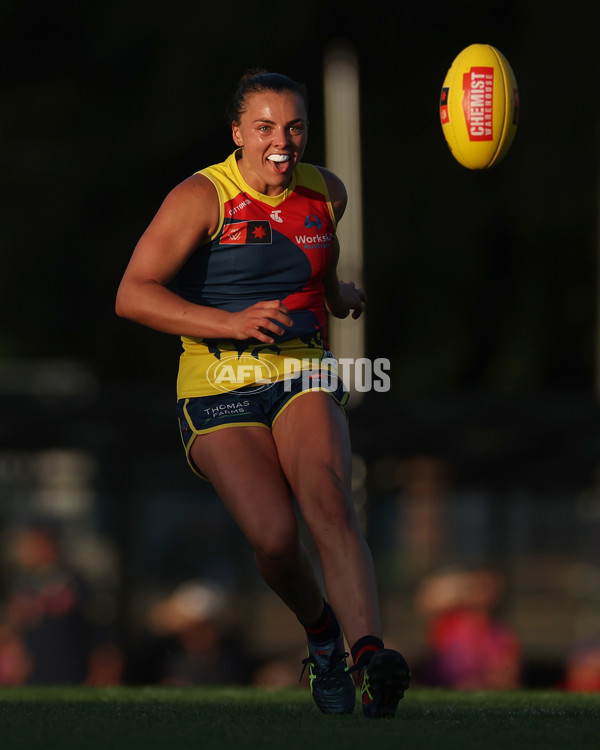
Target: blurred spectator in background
x=469 y=647
x=280 y=672
x=188 y=640
x=425 y=483
x=15 y=664
x=47 y=627
x=582 y=672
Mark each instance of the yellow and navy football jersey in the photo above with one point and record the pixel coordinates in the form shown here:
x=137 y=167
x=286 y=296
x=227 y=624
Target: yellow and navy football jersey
x=265 y=248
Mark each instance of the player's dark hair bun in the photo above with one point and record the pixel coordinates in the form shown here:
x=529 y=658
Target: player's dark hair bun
x=257 y=80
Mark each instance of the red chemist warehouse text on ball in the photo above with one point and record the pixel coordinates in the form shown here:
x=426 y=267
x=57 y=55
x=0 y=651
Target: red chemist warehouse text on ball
x=478 y=103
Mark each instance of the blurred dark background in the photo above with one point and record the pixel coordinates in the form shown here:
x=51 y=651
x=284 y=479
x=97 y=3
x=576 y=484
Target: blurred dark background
x=482 y=293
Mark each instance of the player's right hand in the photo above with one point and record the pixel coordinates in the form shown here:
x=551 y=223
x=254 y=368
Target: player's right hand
x=260 y=321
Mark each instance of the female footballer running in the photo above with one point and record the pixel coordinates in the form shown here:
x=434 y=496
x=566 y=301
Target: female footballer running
x=251 y=246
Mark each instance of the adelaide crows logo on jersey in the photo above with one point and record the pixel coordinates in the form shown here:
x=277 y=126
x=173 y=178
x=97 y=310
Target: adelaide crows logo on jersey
x=246 y=233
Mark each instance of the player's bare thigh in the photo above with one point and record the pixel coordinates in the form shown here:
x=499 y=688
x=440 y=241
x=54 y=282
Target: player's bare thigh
x=313 y=444
x=242 y=463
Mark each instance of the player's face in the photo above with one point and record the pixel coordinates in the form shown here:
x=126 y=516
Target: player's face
x=272 y=133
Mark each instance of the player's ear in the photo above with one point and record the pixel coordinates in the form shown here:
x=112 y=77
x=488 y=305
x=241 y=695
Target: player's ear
x=235 y=134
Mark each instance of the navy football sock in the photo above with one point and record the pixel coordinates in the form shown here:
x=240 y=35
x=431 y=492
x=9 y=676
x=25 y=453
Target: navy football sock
x=363 y=650
x=325 y=628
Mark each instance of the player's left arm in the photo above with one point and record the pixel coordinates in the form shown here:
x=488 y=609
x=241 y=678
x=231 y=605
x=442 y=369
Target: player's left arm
x=341 y=297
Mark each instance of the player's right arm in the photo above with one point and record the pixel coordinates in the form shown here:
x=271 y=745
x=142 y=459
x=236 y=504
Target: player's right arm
x=188 y=216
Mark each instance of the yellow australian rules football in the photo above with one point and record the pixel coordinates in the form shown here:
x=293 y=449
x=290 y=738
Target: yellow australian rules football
x=479 y=107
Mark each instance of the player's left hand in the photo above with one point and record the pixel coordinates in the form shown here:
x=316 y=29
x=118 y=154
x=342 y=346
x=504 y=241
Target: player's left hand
x=350 y=299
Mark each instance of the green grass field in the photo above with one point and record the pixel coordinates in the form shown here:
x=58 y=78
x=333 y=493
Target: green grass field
x=235 y=718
